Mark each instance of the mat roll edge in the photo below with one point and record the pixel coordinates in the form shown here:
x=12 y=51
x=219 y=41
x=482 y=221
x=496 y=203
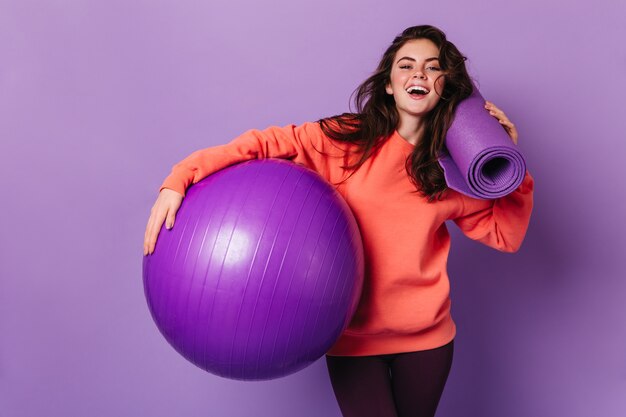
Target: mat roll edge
x=480 y=160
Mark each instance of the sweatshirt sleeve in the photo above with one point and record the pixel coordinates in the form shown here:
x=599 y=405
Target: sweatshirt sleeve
x=297 y=143
x=499 y=223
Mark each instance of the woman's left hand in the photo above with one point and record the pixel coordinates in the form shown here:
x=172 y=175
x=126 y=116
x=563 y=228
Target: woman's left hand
x=504 y=121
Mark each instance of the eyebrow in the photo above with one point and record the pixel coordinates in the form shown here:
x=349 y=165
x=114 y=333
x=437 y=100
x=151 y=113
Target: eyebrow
x=434 y=58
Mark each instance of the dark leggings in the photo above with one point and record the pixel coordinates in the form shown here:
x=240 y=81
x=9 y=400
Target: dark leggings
x=395 y=385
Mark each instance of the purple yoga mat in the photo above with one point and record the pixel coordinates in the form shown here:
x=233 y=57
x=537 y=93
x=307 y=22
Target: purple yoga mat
x=481 y=160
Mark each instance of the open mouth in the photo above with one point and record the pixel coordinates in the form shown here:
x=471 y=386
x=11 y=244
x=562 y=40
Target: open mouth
x=417 y=91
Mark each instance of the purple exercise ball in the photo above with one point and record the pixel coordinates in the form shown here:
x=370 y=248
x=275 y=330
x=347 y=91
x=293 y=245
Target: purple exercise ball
x=261 y=272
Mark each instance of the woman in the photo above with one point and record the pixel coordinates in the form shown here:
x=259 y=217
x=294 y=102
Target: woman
x=395 y=356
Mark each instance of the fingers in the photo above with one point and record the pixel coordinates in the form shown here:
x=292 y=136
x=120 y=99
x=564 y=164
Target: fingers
x=169 y=220
x=146 y=236
x=164 y=210
x=152 y=230
x=503 y=120
x=494 y=111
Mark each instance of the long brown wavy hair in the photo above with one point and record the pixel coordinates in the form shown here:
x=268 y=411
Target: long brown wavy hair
x=376 y=117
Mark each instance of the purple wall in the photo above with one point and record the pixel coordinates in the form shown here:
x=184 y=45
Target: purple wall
x=98 y=99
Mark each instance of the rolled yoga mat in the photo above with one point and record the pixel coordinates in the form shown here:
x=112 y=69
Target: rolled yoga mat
x=481 y=160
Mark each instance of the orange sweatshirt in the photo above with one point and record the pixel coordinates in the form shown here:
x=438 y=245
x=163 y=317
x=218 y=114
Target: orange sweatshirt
x=405 y=304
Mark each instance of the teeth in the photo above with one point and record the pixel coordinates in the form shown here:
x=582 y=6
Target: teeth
x=418 y=89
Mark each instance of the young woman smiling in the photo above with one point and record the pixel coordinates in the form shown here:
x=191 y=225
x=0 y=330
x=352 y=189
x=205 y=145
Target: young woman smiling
x=395 y=355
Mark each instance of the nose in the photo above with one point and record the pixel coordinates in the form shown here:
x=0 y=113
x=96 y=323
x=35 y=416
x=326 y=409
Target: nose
x=419 y=74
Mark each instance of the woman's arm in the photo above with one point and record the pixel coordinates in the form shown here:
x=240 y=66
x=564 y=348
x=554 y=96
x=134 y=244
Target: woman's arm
x=501 y=223
x=289 y=142
x=297 y=143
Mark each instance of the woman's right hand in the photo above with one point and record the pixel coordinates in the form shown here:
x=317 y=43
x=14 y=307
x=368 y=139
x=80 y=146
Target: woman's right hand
x=164 y=209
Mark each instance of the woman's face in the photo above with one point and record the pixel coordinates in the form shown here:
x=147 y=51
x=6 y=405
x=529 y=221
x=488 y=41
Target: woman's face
x=416 y=64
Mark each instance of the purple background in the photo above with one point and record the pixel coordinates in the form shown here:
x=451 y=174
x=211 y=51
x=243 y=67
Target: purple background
x=98 y=99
